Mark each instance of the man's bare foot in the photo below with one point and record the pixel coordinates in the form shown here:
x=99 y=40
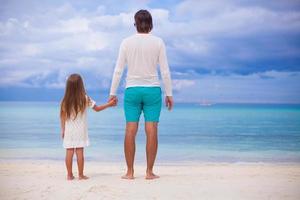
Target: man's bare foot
x=151 y=176
x=70 y=178
x=128 y=176
x=83 y=177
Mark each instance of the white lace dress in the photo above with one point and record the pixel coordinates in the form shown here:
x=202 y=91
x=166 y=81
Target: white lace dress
x=76 y=130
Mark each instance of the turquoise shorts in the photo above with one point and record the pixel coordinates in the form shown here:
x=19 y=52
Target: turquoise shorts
x=146 y=99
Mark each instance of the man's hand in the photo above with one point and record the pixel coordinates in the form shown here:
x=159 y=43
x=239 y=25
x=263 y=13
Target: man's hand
x=113 y=97
x=112 y=102
x=169 y=102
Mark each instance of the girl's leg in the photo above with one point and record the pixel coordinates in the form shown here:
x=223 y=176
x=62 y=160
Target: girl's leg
x=80 y=163
x=69 y=161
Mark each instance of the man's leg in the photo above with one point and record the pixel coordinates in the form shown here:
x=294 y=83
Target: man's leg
x=151 y=148
x=129 y=148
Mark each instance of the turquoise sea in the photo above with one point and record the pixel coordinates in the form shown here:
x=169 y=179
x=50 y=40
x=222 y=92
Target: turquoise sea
x=189 y=133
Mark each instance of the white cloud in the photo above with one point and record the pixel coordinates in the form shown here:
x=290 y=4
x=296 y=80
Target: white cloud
x=31 y=50
x=213 y=18
x=41 y=46
x=267 y=87
x=74 y=25
x=179 y=84
x=61 y=40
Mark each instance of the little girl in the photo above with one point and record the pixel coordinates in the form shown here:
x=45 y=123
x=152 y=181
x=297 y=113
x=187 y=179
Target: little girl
x=73 y=115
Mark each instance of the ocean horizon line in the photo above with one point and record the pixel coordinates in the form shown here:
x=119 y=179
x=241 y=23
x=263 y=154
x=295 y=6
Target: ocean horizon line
x=176 y=103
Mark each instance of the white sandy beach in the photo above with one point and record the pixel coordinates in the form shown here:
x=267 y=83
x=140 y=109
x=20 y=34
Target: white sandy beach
x=46 y=180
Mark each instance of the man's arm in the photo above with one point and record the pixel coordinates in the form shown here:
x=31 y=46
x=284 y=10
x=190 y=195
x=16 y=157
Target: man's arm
x=118 y=72
x=164 y=70
x=165 y=75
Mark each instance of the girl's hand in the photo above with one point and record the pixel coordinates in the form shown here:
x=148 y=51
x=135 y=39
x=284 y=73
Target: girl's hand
x=112 y=102
x=113 y=97
x=62 y=135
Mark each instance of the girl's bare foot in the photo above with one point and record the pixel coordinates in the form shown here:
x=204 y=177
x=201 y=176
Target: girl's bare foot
x=128 y=176
x=83 y=177
x=70 y=177
x=151 y=176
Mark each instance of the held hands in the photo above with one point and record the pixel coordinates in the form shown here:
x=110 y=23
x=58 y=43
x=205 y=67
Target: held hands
x=169 y=102
x=113 y=100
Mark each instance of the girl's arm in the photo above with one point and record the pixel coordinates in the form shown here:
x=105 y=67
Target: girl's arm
x=111 y=103
x=62 y=124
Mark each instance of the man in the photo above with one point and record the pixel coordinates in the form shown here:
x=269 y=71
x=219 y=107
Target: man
x=142 y=52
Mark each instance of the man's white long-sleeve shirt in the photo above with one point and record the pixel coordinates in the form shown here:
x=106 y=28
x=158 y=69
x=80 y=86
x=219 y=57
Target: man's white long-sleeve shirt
x=142 y=53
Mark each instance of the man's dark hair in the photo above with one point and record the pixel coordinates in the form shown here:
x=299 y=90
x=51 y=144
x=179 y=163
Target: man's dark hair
x=143 y=21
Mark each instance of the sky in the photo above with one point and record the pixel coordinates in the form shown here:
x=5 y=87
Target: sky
x=218 y=51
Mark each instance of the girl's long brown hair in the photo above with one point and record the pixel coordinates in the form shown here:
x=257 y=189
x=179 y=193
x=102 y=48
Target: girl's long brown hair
x=74 y=100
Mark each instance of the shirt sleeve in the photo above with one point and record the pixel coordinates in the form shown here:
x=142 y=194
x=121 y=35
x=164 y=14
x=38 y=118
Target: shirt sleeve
x=91 y=102
x=164 y=70
x=119 y=68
